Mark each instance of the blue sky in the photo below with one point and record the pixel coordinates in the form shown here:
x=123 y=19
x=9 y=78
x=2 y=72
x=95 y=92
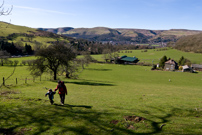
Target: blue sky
x=141 y=14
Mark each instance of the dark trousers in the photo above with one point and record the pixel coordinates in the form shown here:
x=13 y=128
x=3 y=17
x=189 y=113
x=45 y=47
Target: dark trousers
x=51 y=101
x=62 y=98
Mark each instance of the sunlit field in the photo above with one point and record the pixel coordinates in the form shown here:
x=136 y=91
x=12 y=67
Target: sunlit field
x=154 y=55
x=102 y=100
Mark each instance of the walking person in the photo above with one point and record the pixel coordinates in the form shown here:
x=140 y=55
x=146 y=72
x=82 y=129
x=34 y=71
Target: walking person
x=62 y=91
x=50 y=94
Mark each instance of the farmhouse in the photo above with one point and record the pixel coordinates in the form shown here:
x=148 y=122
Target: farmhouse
x=196 y=67
x=171 y=65
x=127 y=60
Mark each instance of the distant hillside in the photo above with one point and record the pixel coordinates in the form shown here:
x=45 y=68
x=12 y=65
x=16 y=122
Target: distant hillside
x=192 y=43
x=57 y=30
x=20 y=36
x=6 y=29
x=125 y=35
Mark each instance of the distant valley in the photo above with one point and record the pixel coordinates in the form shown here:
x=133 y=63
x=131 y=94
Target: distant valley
x=181 y=39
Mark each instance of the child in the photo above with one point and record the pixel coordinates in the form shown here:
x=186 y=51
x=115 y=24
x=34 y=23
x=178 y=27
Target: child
x=50 y=94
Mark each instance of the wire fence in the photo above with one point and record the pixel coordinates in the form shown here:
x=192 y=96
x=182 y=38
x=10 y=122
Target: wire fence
x=14 y=81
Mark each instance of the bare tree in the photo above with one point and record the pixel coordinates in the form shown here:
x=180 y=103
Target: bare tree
x=52 y=58
x=85 y=60
x=4 y=55
x=4 y=11
x=110 y=55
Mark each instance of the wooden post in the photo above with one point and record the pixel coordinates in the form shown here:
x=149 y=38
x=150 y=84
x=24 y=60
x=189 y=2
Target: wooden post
x=33 y=79
x=40 y=78
x=25 y=80
x=3 y=81
x=16 y=81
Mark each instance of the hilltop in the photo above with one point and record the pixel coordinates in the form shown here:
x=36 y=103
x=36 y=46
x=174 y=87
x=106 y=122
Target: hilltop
x=124 y=35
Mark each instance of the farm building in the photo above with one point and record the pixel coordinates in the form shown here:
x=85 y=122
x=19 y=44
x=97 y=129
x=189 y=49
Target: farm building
x=127 y=60
x=171 y=65
x=186 y=68
x=196 y=67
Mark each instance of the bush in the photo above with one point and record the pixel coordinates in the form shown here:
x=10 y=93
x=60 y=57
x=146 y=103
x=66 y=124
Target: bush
x=153 y=67
x=180 y=68
x=16 y=62
x=24 y=62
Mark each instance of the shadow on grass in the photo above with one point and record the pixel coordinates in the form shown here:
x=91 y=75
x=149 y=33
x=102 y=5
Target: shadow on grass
x=92 y=83
x=49 y=119
x=67 y=105
x=96 y=69
x=75 y=119
x=156 y=121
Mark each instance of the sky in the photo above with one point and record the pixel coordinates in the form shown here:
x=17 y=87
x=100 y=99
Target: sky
x=137 y=14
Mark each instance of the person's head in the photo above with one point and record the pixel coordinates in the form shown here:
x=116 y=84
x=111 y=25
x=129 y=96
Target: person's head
x=59 y=82
x=62 y=82
x=50 y=90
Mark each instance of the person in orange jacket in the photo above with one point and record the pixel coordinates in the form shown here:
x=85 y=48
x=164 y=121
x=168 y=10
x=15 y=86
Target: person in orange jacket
x=62 y=91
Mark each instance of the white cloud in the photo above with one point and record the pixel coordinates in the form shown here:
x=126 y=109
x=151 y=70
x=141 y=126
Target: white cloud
x=43 y=10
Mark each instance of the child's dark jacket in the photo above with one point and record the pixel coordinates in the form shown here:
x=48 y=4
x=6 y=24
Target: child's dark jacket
x=50 y=95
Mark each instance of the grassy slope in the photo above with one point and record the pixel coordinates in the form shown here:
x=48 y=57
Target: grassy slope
x=7 y=29
x=112 y=91
x=154 y=55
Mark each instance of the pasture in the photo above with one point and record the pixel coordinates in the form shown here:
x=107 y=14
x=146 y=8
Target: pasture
x=154 y=55
x=101 y=99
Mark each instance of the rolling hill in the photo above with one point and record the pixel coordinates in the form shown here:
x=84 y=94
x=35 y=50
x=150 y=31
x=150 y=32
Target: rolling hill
x=191 y=43
x=24 y=35
x=186 y=40
x=121 y=35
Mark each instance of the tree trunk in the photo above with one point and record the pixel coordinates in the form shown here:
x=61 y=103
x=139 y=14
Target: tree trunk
x=55 y=75
x=2 y=63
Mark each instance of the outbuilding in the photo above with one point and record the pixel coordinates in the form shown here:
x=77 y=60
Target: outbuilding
x=186 y=68
x=196 y=67
x=127 y=60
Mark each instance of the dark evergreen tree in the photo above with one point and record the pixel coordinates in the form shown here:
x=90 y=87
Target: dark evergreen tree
x=162 y=61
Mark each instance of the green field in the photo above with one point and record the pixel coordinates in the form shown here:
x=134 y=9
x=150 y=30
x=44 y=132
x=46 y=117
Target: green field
x=152 y=55
x=102 y=95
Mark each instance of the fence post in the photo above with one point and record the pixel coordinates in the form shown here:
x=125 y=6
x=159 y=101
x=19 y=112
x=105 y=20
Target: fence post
x=16 y=81
x=3 y=81
x=33 y=79
x=40 y=78
x=25 y=80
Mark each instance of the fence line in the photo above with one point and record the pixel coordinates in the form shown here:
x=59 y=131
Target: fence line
x=18 y=81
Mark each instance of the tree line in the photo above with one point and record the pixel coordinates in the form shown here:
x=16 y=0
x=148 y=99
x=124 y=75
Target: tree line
x=15 y=48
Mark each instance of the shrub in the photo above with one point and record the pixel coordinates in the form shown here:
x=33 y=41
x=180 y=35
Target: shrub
x=24 y=62
x=180 y=68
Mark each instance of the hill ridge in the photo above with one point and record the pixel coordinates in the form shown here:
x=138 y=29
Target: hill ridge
x=125 y=34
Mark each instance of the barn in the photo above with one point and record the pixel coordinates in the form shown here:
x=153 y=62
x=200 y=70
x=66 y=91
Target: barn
x=127 y=60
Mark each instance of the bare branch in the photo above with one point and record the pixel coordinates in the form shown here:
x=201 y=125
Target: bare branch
x=2 y=4
x=3 y=12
